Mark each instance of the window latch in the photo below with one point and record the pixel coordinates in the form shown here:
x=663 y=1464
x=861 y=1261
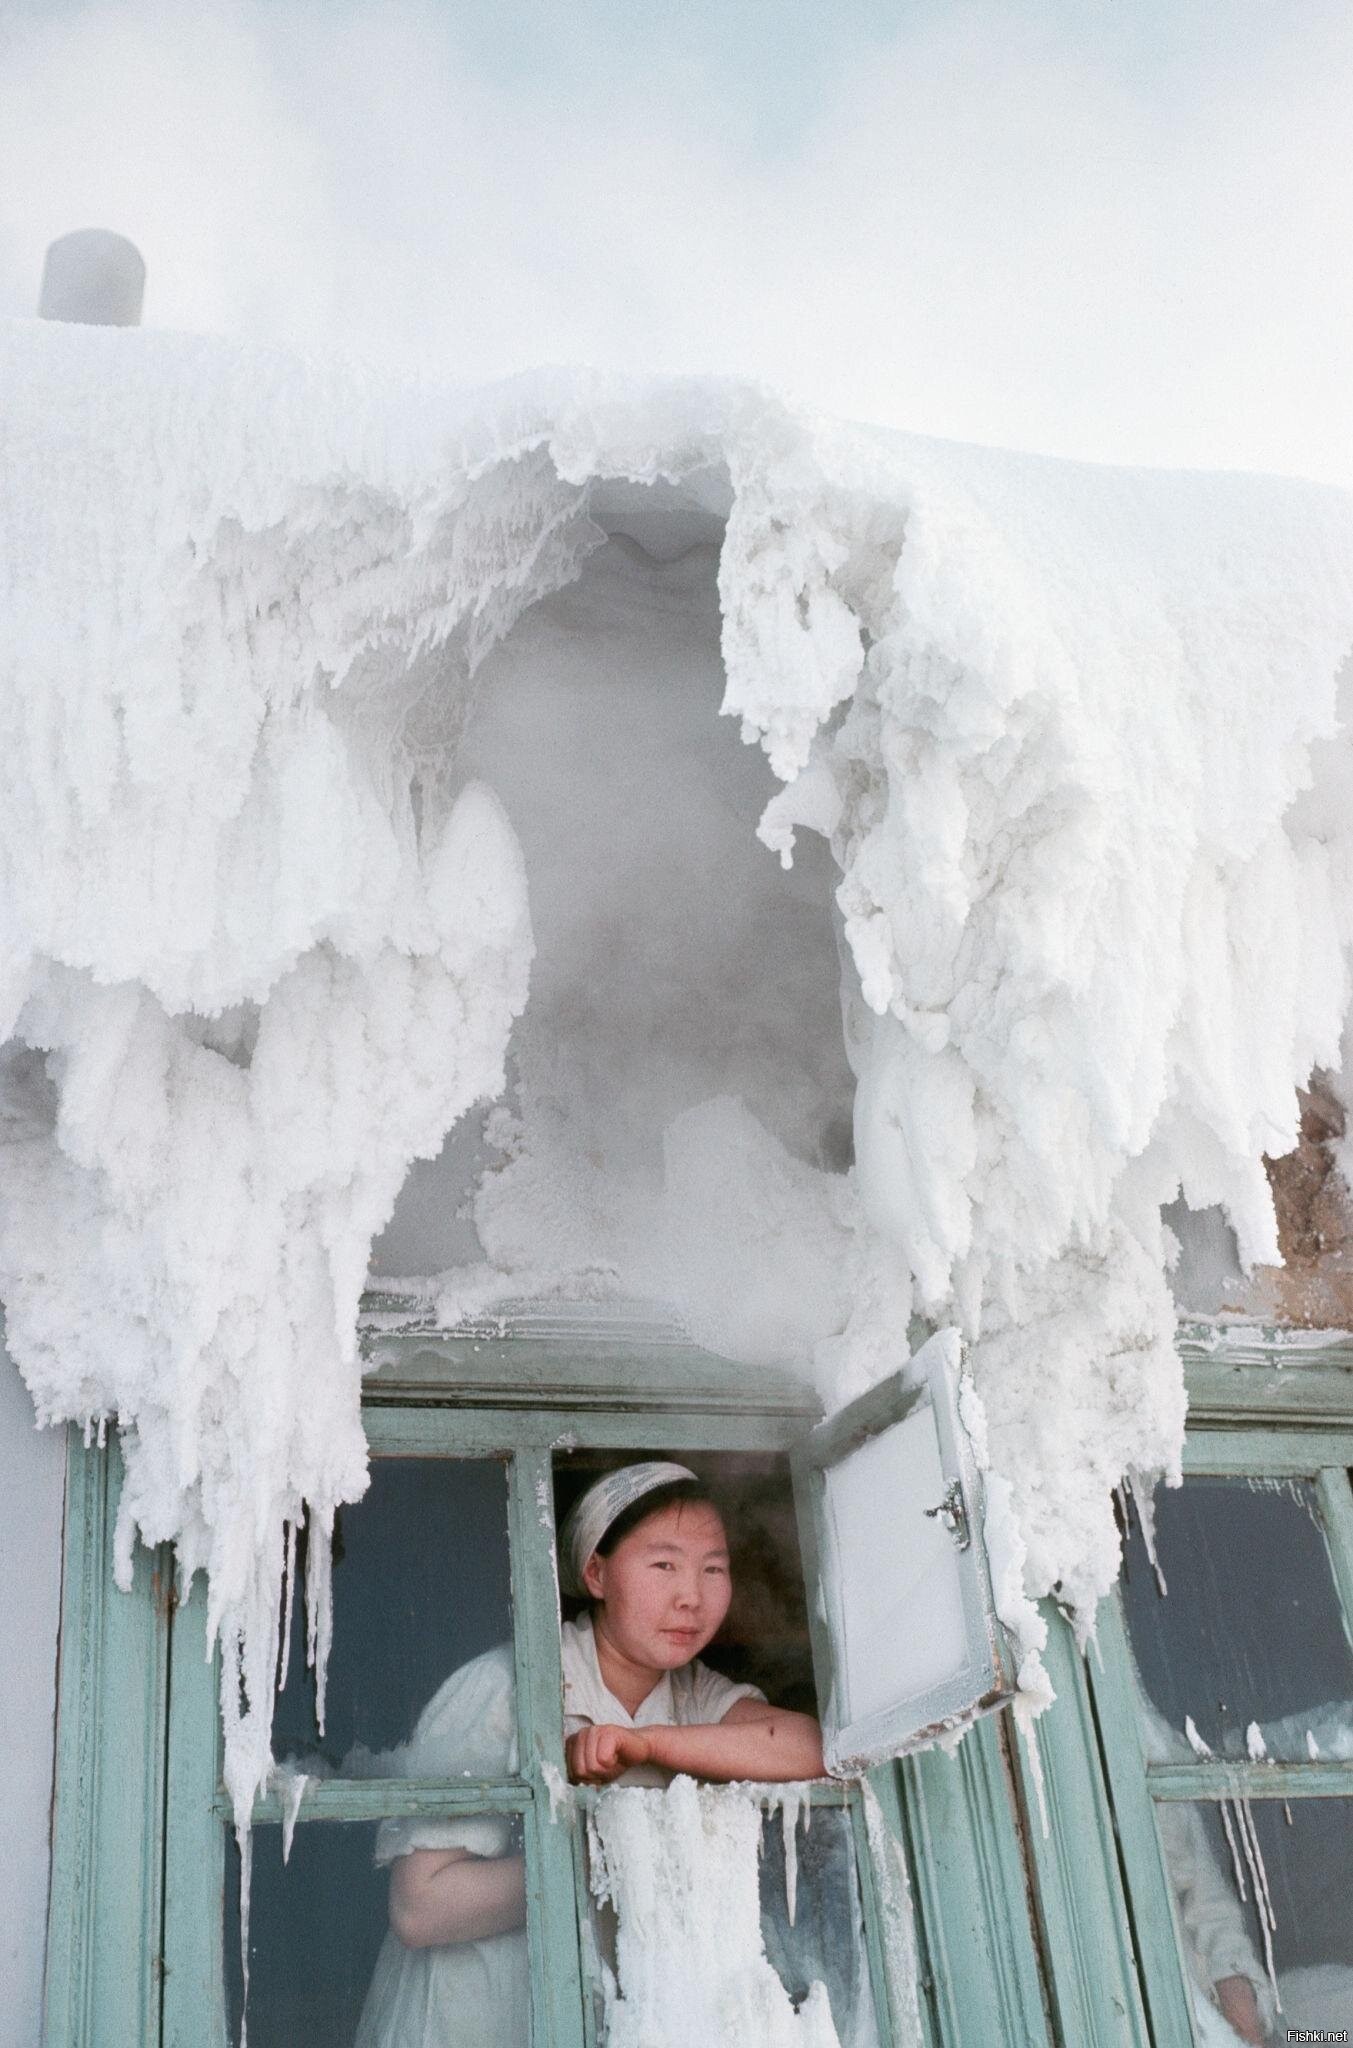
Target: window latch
x=953 y=1512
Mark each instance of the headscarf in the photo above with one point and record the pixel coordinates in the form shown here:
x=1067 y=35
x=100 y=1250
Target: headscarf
x=591 y=1516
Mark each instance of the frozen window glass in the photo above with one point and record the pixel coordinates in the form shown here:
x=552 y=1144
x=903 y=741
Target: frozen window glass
x=895 y=1571
x=812 y=1920
x=1249 y=1628
x=714 y=1920
x=1261 y=1891
x=421 y=1588
x=327 y=1970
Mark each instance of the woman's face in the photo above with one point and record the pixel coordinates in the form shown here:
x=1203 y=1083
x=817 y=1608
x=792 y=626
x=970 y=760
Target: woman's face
x=666 y=1586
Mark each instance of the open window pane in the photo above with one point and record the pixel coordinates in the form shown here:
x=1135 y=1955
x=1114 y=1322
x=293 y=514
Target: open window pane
x=1261 y=1895
x=421 y=1587
x=908 y=1639
x=326 y=1969
x=1249 y=1629
x=764 y=1640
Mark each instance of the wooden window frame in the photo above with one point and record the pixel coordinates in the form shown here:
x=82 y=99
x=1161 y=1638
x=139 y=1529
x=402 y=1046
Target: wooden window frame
x=1262 y=1400
x=135 y=1935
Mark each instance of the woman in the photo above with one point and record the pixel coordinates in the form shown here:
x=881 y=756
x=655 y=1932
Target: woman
x=646 y=1546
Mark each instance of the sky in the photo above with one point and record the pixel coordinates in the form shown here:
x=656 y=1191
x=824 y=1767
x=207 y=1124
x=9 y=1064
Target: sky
x=1112 y=229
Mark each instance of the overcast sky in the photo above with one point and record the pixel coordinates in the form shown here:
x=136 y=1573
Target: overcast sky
x=1109 y=228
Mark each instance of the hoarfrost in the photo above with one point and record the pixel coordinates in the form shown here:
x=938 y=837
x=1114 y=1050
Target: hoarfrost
x=681 y=1869
x=1074 y=738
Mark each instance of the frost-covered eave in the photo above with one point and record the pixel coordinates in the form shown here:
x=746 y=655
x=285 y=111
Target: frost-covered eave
x=1075 y=738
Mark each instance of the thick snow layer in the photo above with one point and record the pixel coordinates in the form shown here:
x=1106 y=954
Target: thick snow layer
x=1072 y=736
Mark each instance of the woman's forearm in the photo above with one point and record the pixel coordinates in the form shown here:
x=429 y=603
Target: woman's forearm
x=438 y=1897
x=774 y=1748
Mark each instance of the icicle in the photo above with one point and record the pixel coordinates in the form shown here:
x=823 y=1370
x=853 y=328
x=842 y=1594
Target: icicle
x=1255 y=1746
x=288 y=1593
x=245 y=1839
x=1026 y=1722
x=1195 y=1740
x=319 y=1615
x=792 y=1801
x=291 y=1786
x=1229 y=1831
x=1146 y=1516
x=1268 y=1925
x=681 y=1868
x=1312 y=1747
x=1201 y=1748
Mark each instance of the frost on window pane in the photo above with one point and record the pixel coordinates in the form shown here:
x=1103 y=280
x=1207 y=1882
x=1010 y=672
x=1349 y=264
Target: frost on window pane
x=812 y=1922
x=1247 y=1639
x=327 y=1968
x=1261 y=1892
x=719 y=1924
x=902 y=1630
x=421 y=1588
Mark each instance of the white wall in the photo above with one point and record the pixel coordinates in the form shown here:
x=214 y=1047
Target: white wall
x=32 y=1482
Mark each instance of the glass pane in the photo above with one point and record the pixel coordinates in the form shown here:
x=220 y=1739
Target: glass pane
x=715 y=1922
x=812 y=1921
x=421 y=1587
x=1249 y=1628
x=876 y=1503
x=327 y=1970
x=1262 y=1891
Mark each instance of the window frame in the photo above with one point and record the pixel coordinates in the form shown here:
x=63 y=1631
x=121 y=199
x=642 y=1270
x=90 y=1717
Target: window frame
x=1266 y=1401
x=138 y=1961
x=930 y=1384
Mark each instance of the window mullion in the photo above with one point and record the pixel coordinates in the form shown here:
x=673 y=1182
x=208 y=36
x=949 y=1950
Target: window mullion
x=195 y=1840
x=1255 y=1451
x=899 y=2000
x=552 y=1928
x=103 y=1960
x=1232 y=1778
x=1336 y=1509
x=1159 y=1951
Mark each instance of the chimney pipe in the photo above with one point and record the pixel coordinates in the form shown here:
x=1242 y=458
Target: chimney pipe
x=94 y=277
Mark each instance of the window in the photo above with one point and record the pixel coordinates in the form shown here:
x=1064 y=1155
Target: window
x=1223 y=1689
x=451 y=1557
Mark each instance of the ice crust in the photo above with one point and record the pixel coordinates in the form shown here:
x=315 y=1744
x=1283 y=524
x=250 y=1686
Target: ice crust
x=681 y=1868
x=1075 y=739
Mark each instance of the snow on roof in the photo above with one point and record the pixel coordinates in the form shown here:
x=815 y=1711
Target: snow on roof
x=1075 y=737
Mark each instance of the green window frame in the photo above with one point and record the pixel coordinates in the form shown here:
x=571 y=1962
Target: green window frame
x=136 y=1931
x=1266 y=1404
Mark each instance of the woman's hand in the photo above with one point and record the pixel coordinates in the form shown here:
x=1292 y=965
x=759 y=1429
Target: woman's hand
x=1240 y=2009
x=597 y=1756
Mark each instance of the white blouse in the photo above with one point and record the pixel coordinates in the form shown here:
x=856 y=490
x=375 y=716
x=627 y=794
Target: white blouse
x=477 y=1993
